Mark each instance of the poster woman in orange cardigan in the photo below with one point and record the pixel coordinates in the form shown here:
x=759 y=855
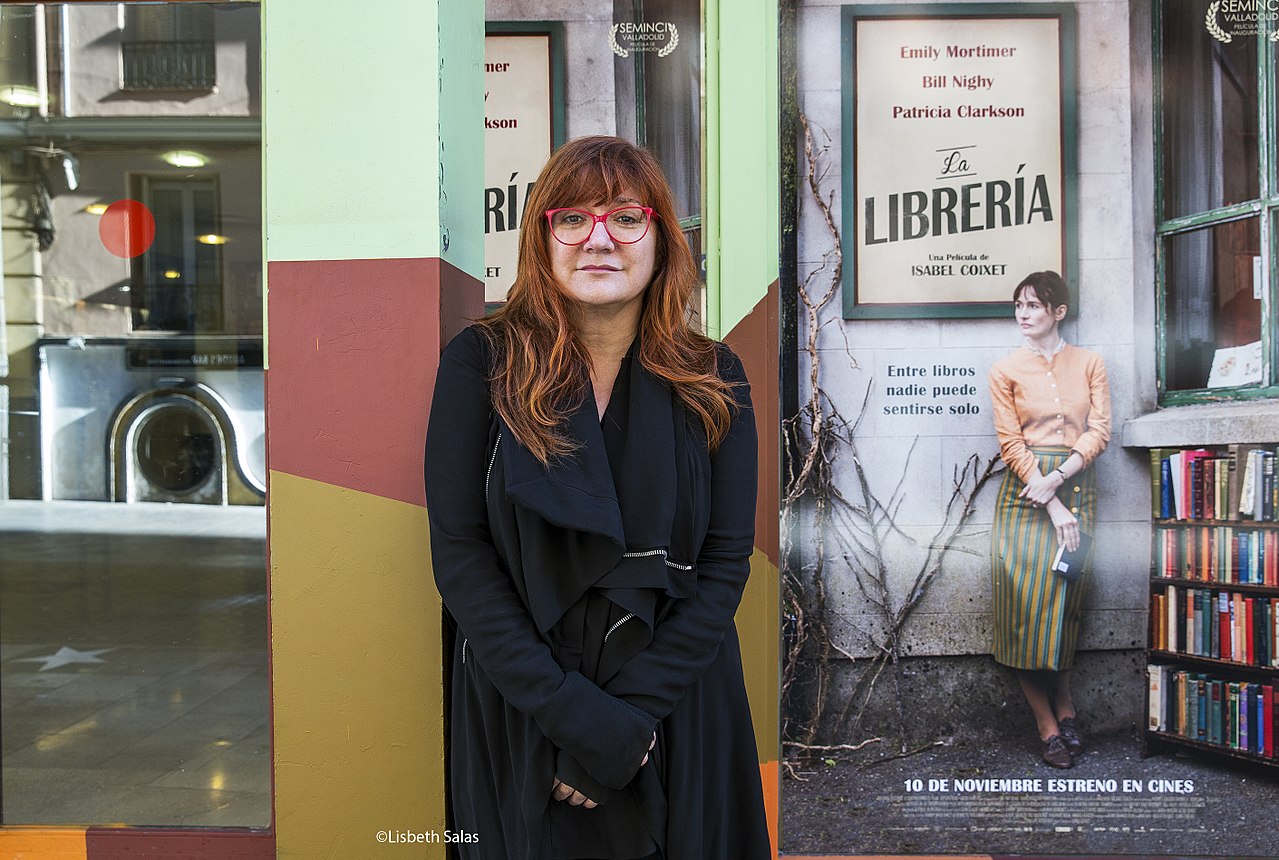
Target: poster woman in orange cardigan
x=1052 y=416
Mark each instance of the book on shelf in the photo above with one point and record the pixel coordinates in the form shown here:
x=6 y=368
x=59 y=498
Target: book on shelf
x=1257 y=493
x=1230 y=555
x=1157 y=682
x=1159 y=502
x=1214 y=711
x=1229 y=713
x=1235 y=483
x=1217 y=624
x=1268 y=719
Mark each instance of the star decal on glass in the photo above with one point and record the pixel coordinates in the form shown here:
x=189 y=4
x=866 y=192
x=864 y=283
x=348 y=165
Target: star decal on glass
x=65 y=657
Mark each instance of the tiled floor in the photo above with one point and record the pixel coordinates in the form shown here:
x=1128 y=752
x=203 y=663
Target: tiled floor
x=154 y=708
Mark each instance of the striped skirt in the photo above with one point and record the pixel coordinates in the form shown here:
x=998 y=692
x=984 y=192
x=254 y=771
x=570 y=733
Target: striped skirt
x=1037 y=611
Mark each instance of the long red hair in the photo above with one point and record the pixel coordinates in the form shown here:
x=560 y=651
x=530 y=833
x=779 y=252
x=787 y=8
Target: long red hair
x=541 y=368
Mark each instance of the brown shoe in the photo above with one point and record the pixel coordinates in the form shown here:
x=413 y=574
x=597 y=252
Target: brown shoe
x=1055 y=753
x=1070 y=735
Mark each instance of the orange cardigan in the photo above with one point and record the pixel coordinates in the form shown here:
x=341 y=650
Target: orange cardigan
x=1059 y=401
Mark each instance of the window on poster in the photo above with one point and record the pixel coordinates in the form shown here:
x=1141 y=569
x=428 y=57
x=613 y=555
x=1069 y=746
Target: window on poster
x=1217 y=204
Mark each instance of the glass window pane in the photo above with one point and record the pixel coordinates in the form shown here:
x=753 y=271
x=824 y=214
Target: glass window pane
x=18 y=91
x=673 y=100
x=1213 y=307
x=133 y=630
x=1209 y=114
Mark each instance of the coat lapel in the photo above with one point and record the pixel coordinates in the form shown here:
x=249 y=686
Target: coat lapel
x=574 y=533
x=574 y=492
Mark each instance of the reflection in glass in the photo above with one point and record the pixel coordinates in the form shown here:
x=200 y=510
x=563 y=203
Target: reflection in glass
x=659 y=100
x=1212 y=278
x=1209 y=114
x=176 y=449
x=133 y=630
x=168 y=47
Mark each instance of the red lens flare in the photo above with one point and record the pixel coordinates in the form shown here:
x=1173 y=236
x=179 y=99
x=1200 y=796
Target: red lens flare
x=127 y=228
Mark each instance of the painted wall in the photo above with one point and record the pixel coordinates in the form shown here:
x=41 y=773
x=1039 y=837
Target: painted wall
x=741 y=241
x=373 y=257
x=912 y=459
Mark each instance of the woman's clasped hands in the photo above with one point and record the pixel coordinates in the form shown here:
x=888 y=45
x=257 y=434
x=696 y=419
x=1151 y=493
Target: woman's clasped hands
x=563 y=791
x=1041 y=489
x=1041 y=492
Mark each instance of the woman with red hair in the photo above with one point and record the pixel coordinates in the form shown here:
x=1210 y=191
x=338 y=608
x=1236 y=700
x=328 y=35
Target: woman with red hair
x=590 y=477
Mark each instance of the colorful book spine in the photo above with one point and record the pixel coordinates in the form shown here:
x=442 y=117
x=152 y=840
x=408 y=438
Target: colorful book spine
x=1267 y=505
x=1214 y=711
x=1235 y=483
x=1157 y=456
x=1156 y=676
x=1267 y=720
x=1195 y=479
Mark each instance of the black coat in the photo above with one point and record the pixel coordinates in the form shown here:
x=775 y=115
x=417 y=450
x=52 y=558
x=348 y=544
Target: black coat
x=594 y=602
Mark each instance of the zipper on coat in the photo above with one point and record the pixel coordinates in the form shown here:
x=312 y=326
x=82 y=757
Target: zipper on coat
x=649 y=552
x=627 y=617
x=464 y=641
x=492 y=460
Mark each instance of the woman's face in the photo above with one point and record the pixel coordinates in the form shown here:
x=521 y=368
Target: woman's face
x=1036 y=319
x=601 y=272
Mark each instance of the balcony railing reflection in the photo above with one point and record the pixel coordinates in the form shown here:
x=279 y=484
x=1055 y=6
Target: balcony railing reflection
x=169 y=66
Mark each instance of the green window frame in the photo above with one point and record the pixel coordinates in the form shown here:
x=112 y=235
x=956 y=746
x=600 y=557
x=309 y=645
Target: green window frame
x=1225 y=215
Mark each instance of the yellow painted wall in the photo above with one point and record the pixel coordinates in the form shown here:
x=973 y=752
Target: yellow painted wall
x=356 y=656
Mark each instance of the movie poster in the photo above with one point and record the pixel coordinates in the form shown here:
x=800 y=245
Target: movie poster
x=902 y=736
x=974 y=115
x=518 y=124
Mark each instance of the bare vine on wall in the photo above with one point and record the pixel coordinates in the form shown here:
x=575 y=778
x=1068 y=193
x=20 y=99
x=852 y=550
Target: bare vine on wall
x=826 y=531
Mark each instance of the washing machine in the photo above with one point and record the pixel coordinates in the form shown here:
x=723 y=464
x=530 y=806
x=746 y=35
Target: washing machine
x=155 y=419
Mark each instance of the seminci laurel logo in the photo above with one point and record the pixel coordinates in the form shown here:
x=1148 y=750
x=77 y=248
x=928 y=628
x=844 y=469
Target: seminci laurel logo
x=1226 y=19
x=660 y=37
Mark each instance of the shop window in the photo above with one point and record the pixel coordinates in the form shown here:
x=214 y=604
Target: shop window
x=1217 y=204
x=134 y=678
x=18 y=91
x=664 y=84
x=168 y=47
x=178 y=281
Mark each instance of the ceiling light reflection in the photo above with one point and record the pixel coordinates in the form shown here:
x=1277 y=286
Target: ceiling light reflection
x=185 y=158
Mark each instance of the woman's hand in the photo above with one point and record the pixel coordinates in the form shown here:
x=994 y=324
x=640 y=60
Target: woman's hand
x=1040 y=488
x=1066 y=524
x=651 y=744
x=564 y=791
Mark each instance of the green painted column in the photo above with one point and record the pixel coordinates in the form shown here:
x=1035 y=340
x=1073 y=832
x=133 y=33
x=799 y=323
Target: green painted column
x=741 y=157
x=742 y=243
x=356 y=119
